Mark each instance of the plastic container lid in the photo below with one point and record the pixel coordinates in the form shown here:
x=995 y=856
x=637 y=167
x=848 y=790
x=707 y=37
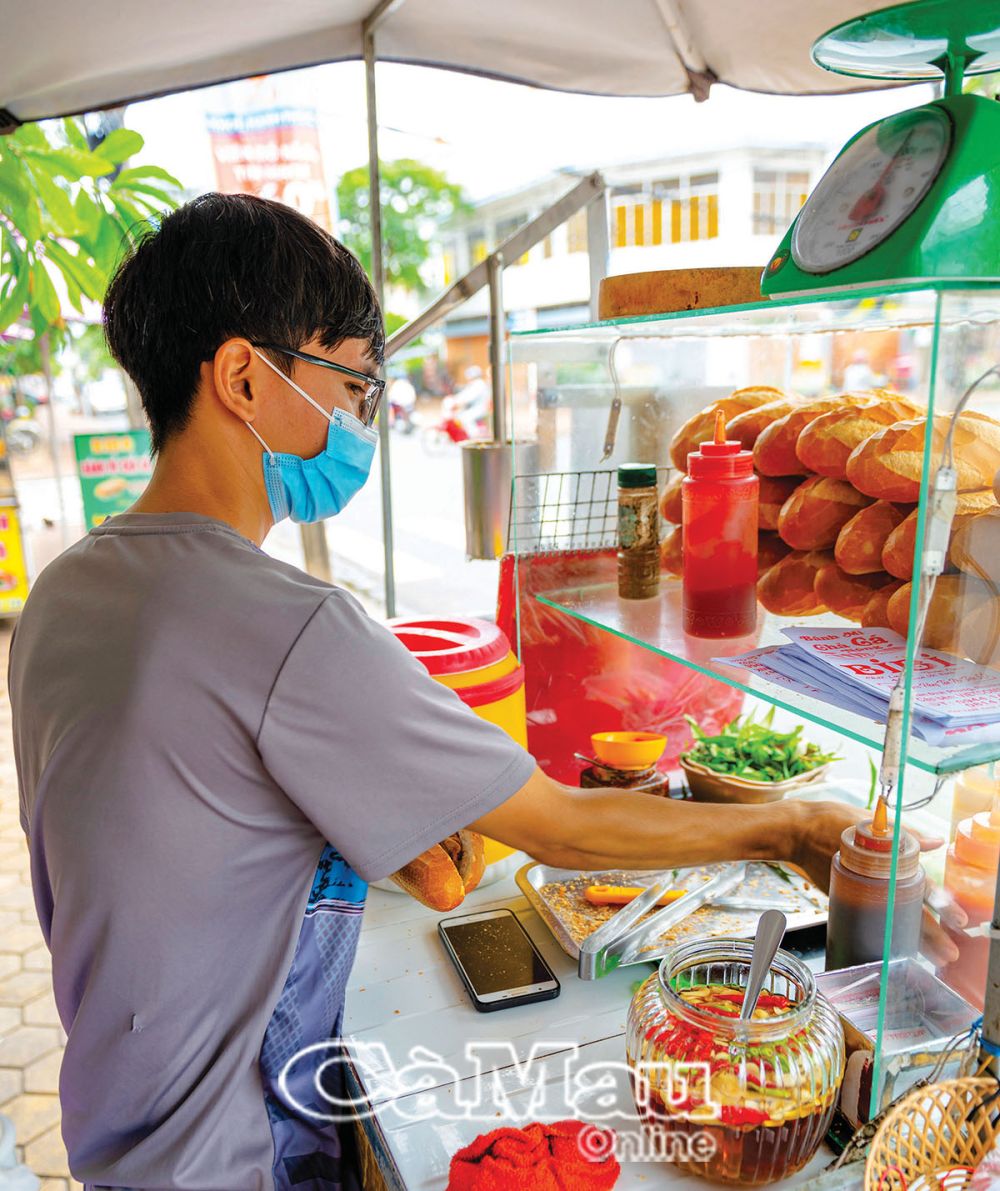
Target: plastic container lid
x=637 y=475
x=453 y=645
x=721 y=458
x=869 y=852
x=977 y=840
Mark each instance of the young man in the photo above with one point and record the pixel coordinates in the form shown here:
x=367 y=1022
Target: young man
x=217 y=751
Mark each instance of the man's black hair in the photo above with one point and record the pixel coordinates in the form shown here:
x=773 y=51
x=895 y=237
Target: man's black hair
x=226 y=265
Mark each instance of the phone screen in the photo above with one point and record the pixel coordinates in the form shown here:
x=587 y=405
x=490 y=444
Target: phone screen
x=496 y=954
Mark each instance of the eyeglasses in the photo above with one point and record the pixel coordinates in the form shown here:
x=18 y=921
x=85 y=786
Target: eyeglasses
x=375 y=387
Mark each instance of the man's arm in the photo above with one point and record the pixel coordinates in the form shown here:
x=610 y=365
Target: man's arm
x=595 y=829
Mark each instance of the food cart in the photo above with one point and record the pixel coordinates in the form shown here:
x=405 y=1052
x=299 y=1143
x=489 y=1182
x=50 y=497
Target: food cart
x=642 y=371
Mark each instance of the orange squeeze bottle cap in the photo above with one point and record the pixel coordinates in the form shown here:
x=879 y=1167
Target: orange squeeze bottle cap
x=720 y=426
x=875 y=836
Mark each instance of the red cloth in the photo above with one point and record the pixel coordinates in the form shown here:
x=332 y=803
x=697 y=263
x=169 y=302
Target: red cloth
x=566 y=1156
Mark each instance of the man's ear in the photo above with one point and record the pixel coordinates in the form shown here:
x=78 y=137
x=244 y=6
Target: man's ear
x=235 y=375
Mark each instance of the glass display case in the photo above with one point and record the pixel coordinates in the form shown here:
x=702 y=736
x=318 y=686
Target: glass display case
x=907 y=598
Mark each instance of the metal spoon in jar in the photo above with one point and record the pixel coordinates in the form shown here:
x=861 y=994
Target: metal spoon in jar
x=770 y=932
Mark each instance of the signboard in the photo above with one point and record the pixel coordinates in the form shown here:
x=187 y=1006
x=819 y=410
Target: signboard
x=13 y=568
x=114 y=470
x=273 y=152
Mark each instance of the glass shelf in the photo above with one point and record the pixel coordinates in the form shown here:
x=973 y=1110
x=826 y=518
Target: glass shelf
x=655 y=624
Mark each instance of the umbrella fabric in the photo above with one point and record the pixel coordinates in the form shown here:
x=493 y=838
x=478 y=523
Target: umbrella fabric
x=82 y=57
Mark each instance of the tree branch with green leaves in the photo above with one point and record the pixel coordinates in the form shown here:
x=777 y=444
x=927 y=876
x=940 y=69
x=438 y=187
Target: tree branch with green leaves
x=66 y=211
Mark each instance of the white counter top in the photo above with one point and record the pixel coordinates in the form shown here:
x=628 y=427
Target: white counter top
x=404 y=994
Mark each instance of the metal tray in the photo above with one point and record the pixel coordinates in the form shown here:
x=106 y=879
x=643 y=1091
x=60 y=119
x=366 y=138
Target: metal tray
x=766 y=881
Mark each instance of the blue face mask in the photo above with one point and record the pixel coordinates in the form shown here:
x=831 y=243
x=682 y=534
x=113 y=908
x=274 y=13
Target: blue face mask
x=314 y=489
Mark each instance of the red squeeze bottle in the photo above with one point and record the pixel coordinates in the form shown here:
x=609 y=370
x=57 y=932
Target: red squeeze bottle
x=719 y=496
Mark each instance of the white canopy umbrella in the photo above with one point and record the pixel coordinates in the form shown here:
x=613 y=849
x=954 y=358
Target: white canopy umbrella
x=75 y=57
x=87 y=56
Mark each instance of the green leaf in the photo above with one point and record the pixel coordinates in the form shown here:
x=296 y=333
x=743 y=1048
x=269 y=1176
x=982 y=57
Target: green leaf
x=119 y=145
x=72 y=164
x=44 y=299
x=108 y=245
x=130 y=215
x=75 y=136
x=56 y=202
x=15 y=297
x=89 y=212
x=84 y=275
x=31 y=136
x=139 y=173
x=140 y=188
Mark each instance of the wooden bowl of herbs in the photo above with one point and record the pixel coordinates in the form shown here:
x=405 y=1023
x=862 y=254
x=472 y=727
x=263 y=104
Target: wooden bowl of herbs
x=750 y=762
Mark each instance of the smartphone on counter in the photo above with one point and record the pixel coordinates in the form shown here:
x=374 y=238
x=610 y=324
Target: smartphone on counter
x=497 y=961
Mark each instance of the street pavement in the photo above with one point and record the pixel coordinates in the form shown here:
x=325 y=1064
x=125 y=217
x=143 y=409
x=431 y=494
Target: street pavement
x=31 y=1038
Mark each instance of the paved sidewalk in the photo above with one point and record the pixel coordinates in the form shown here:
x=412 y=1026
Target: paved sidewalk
x=31 y=1039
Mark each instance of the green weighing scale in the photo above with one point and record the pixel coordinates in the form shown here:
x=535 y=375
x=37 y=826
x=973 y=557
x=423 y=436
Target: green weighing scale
x=917 y=194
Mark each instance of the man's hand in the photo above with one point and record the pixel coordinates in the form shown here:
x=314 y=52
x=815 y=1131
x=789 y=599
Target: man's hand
x=821 y=825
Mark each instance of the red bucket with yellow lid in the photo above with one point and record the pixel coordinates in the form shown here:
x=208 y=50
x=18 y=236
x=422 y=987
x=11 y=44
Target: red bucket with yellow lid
x=474 y=659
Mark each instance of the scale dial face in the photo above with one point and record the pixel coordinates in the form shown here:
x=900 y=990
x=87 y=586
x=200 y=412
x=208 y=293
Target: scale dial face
x=871 y=189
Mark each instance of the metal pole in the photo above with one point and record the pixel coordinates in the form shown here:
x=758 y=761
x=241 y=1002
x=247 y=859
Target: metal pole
x=598 y=249
x=378 y=280
x=43 y=351
x=316 y=551
x=498 y=331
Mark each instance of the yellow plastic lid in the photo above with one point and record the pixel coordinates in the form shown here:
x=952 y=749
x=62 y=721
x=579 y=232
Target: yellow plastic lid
x=628 y=750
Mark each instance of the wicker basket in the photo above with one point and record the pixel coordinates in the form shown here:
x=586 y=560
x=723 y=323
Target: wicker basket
x=945 y=1127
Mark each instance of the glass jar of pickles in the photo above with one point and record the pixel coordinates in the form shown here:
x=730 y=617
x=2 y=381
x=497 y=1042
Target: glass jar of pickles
x=759 y=1095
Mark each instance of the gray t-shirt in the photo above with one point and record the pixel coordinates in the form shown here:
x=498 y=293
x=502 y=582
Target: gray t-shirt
x=215 y=752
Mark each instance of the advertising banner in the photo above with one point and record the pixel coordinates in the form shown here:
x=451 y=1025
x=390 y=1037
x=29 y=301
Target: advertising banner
x=13 y=568
x=273 y=152
x=113 y=471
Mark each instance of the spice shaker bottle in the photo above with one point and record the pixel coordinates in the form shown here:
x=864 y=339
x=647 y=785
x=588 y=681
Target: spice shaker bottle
x=638 y=532
x=720 y=496
x=859 y=894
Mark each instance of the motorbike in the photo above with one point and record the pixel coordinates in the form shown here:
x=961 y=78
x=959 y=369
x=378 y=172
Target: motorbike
x=451 y=427
x=22 y=431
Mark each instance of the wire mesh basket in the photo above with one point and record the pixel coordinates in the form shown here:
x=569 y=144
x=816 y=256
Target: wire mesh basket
x=935 y=1137
x=566 y=510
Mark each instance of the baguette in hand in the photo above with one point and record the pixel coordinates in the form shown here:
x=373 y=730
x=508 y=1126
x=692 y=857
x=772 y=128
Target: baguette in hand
x=441 y=877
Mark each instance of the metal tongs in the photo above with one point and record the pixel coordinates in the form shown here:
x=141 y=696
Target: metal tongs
x=620 y=941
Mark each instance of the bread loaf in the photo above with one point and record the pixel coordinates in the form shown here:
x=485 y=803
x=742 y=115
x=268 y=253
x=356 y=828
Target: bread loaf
x=770 y=549
x=900 y=548
x=955 y=597
x=670 y=499
x=825 y=444
x=875 y=614
x=975 y=546
x=774 y=491
x=701 y=426
x=672 y=551
x=817 y=510
x=899 y=551
x=745 y=428
x=788 y=588
x=979 y=633
x=847 y=594
x=774 y=452
x=889 y=463
x=441 y=876
x=860 y=541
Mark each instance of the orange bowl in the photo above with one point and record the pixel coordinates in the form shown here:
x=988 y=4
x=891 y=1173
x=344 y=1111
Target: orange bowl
x=628 y=750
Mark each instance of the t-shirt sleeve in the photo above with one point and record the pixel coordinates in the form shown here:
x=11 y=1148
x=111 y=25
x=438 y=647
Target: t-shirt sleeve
x=381 y=758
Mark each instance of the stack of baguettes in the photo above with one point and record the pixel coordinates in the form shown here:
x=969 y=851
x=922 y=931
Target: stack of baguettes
x=839 y=485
